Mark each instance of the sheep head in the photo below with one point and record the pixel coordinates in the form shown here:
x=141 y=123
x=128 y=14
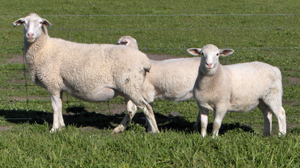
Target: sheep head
x=33 y=26
x=209 y=57
x=129 y=41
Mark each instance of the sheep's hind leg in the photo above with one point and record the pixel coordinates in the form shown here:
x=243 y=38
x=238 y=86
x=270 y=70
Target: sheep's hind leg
x=278 y=110
x=267 y=118
x=147 y=110
x=131 y=110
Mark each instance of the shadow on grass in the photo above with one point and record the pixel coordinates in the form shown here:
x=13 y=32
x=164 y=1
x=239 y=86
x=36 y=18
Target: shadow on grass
x=79 y=117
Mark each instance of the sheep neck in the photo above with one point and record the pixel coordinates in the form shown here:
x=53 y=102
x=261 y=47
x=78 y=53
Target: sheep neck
x=33 y=51
x=206 y=80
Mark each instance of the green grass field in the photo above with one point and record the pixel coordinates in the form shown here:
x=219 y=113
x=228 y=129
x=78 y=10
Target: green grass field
x=262 y=30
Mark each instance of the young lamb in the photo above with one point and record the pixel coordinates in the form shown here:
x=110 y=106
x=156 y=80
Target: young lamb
x=91 y=72
x=239 y=87
x=171 y=79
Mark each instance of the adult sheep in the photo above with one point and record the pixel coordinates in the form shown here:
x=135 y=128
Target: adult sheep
x=171 y=79
x=238 y=87
x=91 y=72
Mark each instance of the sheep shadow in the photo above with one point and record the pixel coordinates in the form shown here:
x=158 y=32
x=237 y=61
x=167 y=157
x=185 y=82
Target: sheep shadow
x=79 y=117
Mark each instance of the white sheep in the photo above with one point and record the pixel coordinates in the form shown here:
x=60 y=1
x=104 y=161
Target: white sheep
x=239 y=87
x=171 y=79
x=91 y=72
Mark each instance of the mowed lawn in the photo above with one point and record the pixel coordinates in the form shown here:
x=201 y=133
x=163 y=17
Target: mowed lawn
x=263 y=30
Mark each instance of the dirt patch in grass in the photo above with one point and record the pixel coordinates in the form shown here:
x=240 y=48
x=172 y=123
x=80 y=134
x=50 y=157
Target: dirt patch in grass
x=24 y=98
x=5 y=128
x=16 y=81
x=115 y=109
x=293 y=80
x=16 y=59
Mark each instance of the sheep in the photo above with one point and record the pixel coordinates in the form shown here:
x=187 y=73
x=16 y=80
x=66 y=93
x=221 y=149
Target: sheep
x=90 y=72
x=238 y=87
x=171 y=79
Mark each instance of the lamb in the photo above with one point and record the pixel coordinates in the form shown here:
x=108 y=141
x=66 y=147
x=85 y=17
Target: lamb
x=239 y=87
x=171 y=79
x=91 y=72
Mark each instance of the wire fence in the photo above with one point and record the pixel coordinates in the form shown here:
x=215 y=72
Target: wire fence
x=18 y=92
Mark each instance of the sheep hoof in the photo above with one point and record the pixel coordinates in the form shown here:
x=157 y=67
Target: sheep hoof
x=280 y=134
x=54 y=130
x=154 y=132
x=120 y=128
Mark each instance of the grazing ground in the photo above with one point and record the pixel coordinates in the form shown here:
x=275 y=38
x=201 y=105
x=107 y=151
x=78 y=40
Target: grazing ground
x=266 y=31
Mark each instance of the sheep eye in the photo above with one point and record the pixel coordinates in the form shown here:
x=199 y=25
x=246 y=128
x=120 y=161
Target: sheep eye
x=217 y=54
x=201 y=53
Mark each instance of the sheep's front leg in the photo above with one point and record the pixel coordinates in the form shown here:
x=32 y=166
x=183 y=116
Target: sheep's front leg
x=58 y=121
x=131 y=110
x=60 y=118
x=203 y=119
x=219 y=114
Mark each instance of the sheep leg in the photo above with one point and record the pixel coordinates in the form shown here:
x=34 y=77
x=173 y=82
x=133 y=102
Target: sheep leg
x=203 y=119
x=60 y=118
x=147 y=110
x=131 y=110
x=267 y=118
x=219 y=114
x=146 y=122
x=278 y=110
x=57 y=113
x=281 y=117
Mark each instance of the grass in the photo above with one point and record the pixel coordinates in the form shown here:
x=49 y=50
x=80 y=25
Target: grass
x=160 y=27
x=75 y=147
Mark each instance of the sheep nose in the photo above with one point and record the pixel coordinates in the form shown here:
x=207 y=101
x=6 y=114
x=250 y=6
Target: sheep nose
x=30 y=35
x=209 y=65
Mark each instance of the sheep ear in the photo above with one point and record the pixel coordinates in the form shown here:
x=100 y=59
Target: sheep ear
x=46 y=22
x=19 y=22
x=194 y=51
x=122 y=43
x=225 y=52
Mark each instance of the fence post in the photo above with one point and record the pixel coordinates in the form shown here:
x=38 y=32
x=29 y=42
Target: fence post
x=24 y=71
